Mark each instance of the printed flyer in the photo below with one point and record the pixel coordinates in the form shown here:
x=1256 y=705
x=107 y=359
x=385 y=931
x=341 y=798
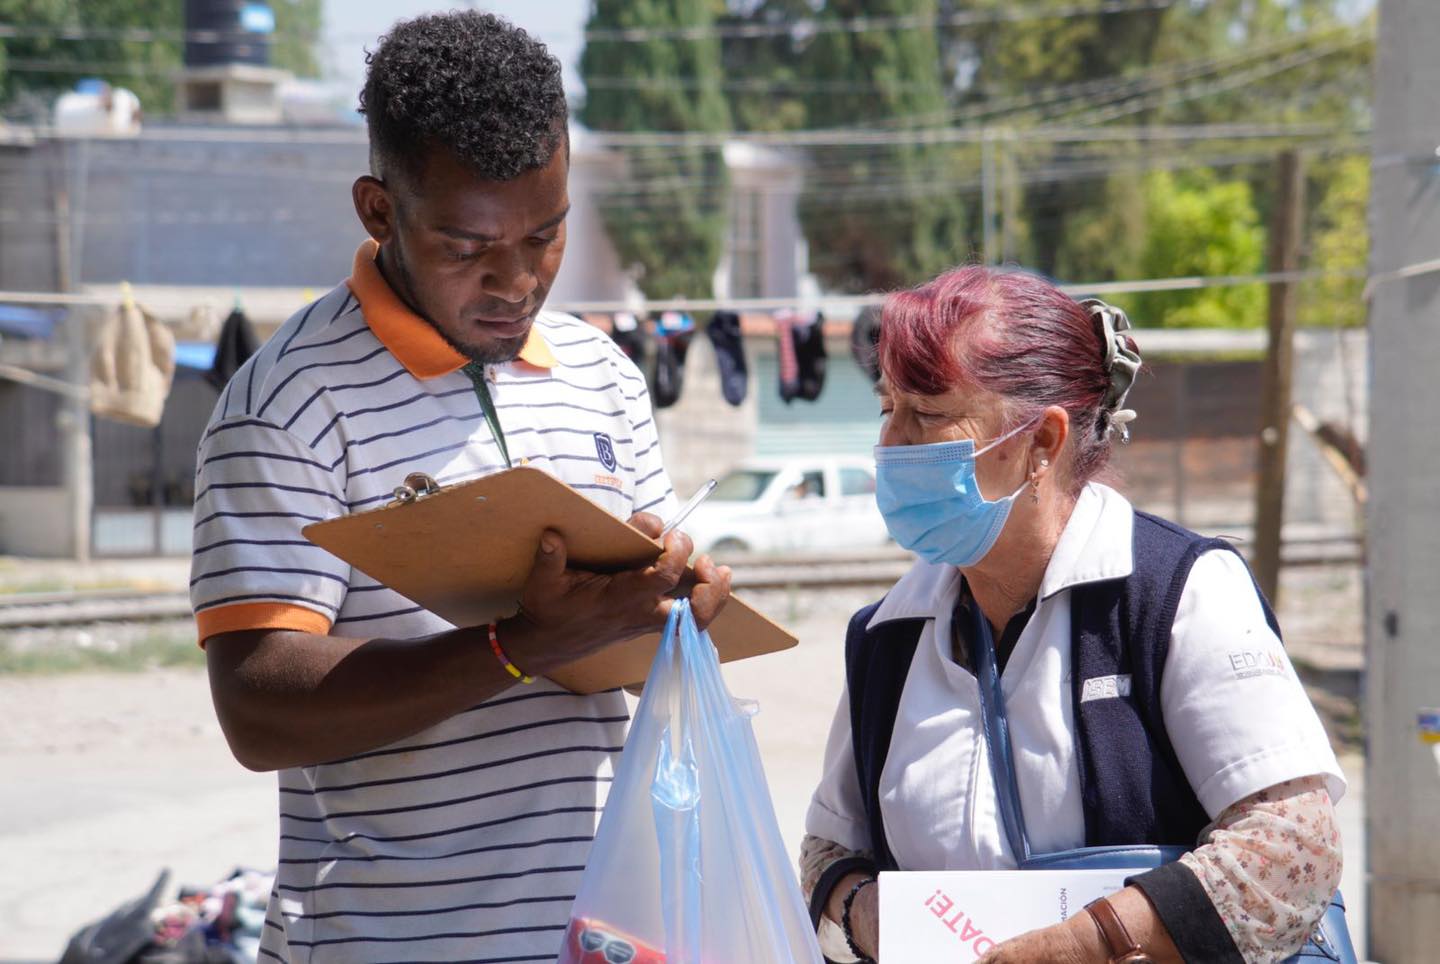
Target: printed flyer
x=960 y=915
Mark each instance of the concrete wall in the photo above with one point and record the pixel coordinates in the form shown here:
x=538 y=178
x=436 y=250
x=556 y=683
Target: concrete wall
x=34 y=521
x=158 y=210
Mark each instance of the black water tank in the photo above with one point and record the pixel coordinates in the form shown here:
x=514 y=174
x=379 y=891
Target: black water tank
x=234 y=38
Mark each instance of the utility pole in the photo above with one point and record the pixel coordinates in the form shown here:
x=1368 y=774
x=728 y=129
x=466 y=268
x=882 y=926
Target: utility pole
x=1010 y=202
x=1285 y=229
x=74 y=418
x=988 y=200
x=1402 y=623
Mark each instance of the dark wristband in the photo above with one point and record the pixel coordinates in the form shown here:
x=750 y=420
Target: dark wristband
x=845 y=920
x=830 y=879
x=1188 y=914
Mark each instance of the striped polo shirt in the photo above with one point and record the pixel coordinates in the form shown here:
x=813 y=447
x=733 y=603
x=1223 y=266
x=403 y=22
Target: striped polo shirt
x=465 y=842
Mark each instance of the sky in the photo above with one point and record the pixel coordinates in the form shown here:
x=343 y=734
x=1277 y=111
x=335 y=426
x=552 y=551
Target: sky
x=351 y=25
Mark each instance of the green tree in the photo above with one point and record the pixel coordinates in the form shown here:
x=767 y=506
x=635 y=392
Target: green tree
x=881 y=215
x=41 y=63
x=1199 y=225
x=764 y=77
x=297 y=36
x=1206 y=61
x=667 y=215
x=1340 y=242
x=1104 y=238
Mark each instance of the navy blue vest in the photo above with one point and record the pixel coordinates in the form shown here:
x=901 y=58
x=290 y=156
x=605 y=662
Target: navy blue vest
x=1132 y=787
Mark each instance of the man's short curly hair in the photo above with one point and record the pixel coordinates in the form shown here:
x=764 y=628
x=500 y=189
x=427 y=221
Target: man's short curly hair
x=468 y=82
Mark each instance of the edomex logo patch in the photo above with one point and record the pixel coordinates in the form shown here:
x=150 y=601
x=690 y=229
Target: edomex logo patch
x=605 y=449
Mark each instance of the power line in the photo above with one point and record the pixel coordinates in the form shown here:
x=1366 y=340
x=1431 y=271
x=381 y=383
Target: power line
x=1085 y=92
x=788 y=85
x=17 y=31
x=148 y=294
x=36 y=65
x=850 y=137
x=811 y=26
x=1168 y=97
x=884 y=184
x=800 y=27
x=836 y=138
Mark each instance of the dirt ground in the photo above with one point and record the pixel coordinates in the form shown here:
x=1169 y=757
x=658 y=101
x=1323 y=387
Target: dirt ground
x=105 y=778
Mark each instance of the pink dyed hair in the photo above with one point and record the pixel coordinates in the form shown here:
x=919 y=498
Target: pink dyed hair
x=1008 y=332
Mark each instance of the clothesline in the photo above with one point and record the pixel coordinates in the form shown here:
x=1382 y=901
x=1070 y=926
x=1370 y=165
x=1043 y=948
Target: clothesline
x=186 y=298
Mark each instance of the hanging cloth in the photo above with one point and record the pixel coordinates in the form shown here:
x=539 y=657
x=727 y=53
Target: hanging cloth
x=725 y=337
x=672 y=343
x=865 y=341
x=810 y=356
x=237 y=342
x=628 y=332
x=132 y=367
x=789 y=363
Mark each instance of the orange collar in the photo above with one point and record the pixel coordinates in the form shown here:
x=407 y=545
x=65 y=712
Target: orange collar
x=410 y=338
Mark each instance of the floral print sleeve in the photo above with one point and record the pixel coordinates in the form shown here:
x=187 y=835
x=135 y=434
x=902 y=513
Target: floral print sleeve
x=1270 y=864
x=816 y=856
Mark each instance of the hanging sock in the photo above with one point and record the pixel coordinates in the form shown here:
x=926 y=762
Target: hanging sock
x=789 y=362
x=629 y=334
x=810 y=356
x=237 y=342
x=672 y=343
x=725 y=337
x=865 y=341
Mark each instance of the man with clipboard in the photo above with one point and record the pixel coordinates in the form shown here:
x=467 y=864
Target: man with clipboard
x=438 y=795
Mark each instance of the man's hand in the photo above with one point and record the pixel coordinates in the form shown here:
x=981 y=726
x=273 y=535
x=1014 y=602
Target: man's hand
x=566 y=614
x=708 y=589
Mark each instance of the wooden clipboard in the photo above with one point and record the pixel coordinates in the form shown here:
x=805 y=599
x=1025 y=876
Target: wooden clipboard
x=464 y=552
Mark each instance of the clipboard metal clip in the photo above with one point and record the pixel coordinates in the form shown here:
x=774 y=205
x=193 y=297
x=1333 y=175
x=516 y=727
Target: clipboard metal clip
x=417 y=485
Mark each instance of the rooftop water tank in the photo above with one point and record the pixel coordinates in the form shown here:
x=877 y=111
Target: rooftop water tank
x=222 y=32
x=95 y=109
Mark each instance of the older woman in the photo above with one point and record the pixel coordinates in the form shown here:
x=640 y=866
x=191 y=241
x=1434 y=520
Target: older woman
x=1148 y=696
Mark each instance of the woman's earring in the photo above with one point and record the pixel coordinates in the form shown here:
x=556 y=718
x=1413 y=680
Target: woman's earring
x=1035 y=481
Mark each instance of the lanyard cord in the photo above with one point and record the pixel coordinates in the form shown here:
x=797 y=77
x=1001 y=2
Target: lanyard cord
x=997 y=734
x=476 y=371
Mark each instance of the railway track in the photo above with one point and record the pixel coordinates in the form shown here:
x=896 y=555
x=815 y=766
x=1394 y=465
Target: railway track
x=91 y=606
x=817 y=571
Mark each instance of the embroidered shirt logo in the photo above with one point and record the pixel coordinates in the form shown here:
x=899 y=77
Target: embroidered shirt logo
x=1248 y=663
x=605 y=449
x=1105 y=688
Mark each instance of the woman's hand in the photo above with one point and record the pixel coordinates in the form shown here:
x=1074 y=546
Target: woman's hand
x=864 y=912
x=865 y=921
x=1077 y=941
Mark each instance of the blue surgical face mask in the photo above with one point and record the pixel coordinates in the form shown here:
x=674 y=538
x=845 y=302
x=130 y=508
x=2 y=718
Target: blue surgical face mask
x=932 y=504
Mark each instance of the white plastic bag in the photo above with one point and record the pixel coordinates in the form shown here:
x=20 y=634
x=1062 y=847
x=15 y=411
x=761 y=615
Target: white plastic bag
x=688 y=866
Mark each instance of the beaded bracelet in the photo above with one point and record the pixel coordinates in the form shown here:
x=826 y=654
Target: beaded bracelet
x=510 y=667
x=845 y=921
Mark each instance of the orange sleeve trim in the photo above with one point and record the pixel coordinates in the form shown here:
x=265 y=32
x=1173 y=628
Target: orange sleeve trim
x=262 y=615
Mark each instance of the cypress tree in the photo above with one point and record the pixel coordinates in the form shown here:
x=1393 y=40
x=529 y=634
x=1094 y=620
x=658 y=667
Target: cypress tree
x=667 y=216
x=881 y=215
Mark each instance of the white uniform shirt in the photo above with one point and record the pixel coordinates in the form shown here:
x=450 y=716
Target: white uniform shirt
x=1235 y=711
